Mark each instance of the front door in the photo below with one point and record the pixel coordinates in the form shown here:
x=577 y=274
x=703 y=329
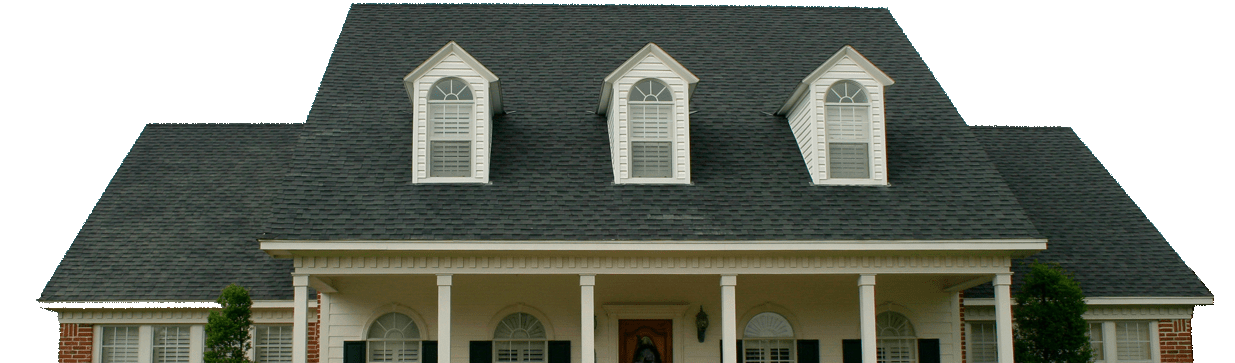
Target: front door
x=645 y=341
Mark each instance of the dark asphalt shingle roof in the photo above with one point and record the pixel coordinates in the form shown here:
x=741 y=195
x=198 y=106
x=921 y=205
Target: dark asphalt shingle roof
x=179 y=219
x=551 y=177
x=1095 y=230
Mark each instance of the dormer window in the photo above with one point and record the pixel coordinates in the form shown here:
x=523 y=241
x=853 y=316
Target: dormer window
x=646 y=101
x=450 y=117
x=848 y=130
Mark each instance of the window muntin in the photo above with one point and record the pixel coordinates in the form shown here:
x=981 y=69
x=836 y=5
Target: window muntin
x=768 y=338
x=171 y=344
x=119 y=344
x=272 y=344
x=847 y=125
x=394 y=337
x=1132 y=341
x=520 y=337
x=451 y=119
x=895 y=339
x=650 y=110
x=983 y=348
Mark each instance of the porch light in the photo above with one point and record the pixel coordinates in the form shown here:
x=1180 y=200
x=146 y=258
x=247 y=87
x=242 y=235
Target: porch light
x=701 y=322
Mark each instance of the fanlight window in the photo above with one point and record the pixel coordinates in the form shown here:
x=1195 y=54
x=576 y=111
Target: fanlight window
x=451 y=115
x=394 y=337
x=650 y=108
x=768 y=338
x=519 y=337
x=848 y=131
x=895 y=339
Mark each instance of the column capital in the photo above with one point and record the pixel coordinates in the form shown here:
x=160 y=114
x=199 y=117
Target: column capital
x=1003 y=279
x=445 y=279
x=587 y=279
x=728 y=280
x=866 y=280
x=299 y=280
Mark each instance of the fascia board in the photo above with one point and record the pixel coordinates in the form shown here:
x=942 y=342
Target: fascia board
x=71 y=305
x=1129 y=300
x=847 y=50
x=285 y=248
x=606 y=94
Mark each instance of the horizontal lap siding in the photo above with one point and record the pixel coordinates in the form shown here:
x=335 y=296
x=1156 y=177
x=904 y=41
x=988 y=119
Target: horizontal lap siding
x=652 y=67
x=801 y=121
x=453 y=66
x=846 y=69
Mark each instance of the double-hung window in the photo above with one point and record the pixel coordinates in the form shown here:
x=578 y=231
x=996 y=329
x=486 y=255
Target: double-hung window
x=394 y=338
x=848 y=131
x=1123 y=341
x=895 y=341
x=520 y=337
x=983 y=348
x=272 y=344
x=650 y=106
x=451 y=114
x=768 y=338
x=119 y=344
x=171 y=344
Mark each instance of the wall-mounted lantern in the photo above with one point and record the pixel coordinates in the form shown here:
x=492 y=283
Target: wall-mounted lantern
x=701 y=322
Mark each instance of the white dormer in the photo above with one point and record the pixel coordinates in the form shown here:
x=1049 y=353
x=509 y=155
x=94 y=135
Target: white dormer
x=646 y=101
x=837 y=116
x=454 y=98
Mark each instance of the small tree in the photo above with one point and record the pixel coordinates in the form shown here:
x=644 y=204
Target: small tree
x=227 y=331
x=1049 y=327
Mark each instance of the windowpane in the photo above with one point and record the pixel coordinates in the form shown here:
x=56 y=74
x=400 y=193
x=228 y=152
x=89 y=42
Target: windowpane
x=848 y=160
x=520 y=351
x=896 y=350
x=847 y=123
x=1132 y=340
x=1095 y=341
x=650 y=121
x=451 y=118
x=651 y=160
x=450 y=159
x=399 y=351
x=119 y=344
x=450 y=89
x=273 y=344
x=650 y=90
x=768 y=350
x=846 y=92
x=171 y=344
x=983 y=348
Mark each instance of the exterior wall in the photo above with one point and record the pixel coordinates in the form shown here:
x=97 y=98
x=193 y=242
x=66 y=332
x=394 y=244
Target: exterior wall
x=802 y=122
x=846 y=68
x=1175 y=340
x=652 y=67
x=76 y=343
x=453 y=66
x=960 y=300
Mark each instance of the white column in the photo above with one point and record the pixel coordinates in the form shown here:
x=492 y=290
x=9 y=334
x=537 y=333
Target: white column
x=323 y=327
x=866 y=312
x=443 y=317
x=729 y=318
x=1003 y=316
x=587 y=313
x=300 y=318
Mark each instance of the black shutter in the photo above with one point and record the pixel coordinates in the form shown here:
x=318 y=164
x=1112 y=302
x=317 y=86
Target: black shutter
x=741 y=355
x=928 y=351
x=428 y=351
x=808 y=351
x=852 y=350
x=559 y=351
x=354 y=352
x=480 y=351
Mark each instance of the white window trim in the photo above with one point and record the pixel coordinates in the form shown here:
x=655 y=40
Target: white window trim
x=1110 y=341
x=870 y=148
x=487 y=102
x=969 y=346
x=145 y=341
x=253 y=336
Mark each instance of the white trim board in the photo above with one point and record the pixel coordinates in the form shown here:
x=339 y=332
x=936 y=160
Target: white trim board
x=257 y=304
x=1131 y=300
x=285 y=248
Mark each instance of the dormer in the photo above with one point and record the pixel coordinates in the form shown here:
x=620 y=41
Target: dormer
x=837 y=116
x=454 y=98
x=646 y=101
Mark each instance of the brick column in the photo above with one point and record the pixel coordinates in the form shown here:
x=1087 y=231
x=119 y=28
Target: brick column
x=76 y=343
x=1175 y=340
x=315 y=335
x=964 y=339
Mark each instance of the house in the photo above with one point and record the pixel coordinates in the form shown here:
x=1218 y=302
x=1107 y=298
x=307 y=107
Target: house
x=601 y=184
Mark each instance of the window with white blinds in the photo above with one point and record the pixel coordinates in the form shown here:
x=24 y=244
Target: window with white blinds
x=651 y=159
x=119 y=344
x=520 y=337
x=895 y=340
x=171 y=344
x=394 y=338
x=650 y=111
x=451 y=118
x=768 y=338
x=847 y=124
x=273 y=344
x=1132 y=341
x=983 y=348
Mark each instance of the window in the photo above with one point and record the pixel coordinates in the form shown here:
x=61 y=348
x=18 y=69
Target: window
x=1096 y=342
x=394 y=337
x=519 y=337
x=895 y=341
x=119 y=344
x=651 y=116
x=768 y=338
x=983 y=348
x=1132 y=341
x=1123 y=341
x=848 y=131
x=273 y=344
x=171 y=344
x=450 y=122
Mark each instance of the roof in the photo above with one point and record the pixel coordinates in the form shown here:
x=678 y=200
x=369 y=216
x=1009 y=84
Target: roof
x=1094 y=229
x=551 y=177
x=179 y=219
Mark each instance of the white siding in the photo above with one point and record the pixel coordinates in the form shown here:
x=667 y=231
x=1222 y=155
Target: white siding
x=453 y=66
x=847 y=69
x=802 y=122
x=650 y=67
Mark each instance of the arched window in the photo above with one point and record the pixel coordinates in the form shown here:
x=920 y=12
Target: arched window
x=519 y=337
x=895 y=339
x=768 y=338
x=394 y=337
x=451 y=114
x=650 y=105
x=848 y=131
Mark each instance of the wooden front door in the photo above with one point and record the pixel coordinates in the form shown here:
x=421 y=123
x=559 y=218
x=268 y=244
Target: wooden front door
x=645 y=341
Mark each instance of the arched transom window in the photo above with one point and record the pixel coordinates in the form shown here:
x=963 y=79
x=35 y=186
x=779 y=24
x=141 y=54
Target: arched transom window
x=768 y=338
x=394 y=337
x=451 y=115
x=895 y=339
x=520 y=337
x=848 y=131
x=651 y=129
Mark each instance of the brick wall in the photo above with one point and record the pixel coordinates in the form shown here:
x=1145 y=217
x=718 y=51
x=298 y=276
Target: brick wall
x=964 y=340
x=76 y=343
x=1175 y=340
x=314 y=336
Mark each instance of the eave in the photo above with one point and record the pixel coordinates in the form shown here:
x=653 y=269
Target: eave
x=606 y=93
x=847 y=51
